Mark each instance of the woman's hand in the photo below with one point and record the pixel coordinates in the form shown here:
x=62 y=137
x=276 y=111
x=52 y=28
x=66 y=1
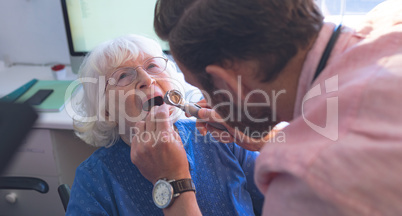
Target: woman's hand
x=157 y=150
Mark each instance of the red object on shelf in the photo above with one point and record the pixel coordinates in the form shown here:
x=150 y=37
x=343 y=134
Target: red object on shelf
x=58 y=67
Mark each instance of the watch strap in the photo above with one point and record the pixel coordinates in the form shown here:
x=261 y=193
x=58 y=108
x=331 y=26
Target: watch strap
x=183 y=185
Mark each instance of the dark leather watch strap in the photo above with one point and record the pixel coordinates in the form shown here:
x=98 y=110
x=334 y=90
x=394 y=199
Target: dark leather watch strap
x=182 y=185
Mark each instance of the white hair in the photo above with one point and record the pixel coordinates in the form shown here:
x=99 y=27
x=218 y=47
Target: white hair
x=105 y=57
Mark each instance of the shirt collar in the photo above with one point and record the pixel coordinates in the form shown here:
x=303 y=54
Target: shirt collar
x=314 y=56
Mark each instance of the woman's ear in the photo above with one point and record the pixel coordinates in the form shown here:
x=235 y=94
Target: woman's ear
x=104 y=115
x=227 y=79
x=109 y=118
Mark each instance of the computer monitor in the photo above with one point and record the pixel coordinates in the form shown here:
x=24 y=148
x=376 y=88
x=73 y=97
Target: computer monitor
x=91 y=22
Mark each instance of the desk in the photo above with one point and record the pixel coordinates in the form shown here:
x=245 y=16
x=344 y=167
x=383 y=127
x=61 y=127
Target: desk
x=51 y=151
x=16 y=76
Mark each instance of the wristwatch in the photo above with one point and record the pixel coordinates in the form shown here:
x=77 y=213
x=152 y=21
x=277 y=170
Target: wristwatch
x=165 y=191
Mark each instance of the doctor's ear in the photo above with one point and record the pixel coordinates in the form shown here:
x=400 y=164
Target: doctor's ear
x=227 y=79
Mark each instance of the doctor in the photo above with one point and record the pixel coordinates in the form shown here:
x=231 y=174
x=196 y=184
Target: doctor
x=340 y=89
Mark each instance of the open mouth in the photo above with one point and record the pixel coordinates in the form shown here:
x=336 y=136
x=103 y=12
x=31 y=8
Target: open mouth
x=156 y=101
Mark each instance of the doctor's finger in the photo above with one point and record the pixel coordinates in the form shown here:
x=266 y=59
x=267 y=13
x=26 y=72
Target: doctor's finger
x=222 y=136
x=202 y=127
x=209 y=115
x=202 y=103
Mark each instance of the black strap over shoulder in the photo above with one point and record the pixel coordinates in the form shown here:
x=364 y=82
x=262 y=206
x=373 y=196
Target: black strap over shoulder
x=327 y=51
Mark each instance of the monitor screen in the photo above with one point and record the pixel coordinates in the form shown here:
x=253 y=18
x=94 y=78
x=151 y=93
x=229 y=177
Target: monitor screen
x=91 y=22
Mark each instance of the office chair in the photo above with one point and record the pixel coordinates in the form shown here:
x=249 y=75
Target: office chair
x=64 y=193
x=24 y=183
x=16 y=121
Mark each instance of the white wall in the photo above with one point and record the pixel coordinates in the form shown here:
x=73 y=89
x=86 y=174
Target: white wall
x=32 y=31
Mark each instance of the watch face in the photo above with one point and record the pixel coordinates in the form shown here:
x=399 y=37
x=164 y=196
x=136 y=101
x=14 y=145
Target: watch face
x=162 y=194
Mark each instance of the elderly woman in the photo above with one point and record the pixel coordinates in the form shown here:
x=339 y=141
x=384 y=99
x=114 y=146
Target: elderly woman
x=129 y=174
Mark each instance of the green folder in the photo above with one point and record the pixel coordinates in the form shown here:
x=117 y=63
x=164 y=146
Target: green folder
x=13 y=96
x=56 y=100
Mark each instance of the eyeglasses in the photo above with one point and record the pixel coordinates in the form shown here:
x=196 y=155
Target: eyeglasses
x=125 y=76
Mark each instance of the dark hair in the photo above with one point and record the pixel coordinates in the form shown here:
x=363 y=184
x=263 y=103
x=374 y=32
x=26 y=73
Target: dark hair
x=204 y=32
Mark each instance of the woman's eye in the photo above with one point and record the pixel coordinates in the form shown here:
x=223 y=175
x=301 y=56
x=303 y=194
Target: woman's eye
x=152 y=65
x=122 y=76
x=124 y=79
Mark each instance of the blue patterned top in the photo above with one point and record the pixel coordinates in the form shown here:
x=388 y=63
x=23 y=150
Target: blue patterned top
x=107 y=183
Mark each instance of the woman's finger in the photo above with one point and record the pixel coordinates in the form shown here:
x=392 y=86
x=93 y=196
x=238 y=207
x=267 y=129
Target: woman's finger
x=137 y=130
x=136 y=143
x=162 y=118
x=150 y=121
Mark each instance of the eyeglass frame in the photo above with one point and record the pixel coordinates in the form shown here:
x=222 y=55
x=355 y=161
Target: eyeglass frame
x=135 y=69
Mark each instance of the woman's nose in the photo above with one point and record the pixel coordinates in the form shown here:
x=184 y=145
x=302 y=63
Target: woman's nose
x=145 y=80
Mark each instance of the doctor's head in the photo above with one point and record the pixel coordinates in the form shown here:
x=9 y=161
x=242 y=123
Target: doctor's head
x=214 y=42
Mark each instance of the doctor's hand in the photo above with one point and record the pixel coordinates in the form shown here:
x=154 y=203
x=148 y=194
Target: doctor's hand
x=206 y=114
x=206 y=122
x=156 y=148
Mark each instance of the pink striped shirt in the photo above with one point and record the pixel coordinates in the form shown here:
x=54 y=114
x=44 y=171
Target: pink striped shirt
x=343 y=150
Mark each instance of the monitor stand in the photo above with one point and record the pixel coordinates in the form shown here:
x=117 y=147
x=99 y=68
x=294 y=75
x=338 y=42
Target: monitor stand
x=76 y=62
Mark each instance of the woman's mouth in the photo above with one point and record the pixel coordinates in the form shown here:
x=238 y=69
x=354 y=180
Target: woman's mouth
x=156 y=101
